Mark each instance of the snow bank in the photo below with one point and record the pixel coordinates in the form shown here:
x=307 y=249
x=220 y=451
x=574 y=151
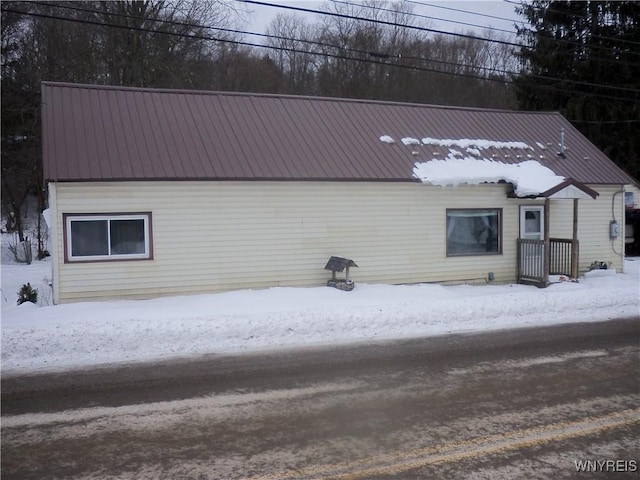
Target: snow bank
x=37 y=338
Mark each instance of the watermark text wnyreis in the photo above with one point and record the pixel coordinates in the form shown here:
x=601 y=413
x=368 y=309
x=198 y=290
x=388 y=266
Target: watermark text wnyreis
x=606 y=465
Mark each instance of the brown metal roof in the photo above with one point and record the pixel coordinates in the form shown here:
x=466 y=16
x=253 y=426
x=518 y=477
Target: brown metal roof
x=96 y=133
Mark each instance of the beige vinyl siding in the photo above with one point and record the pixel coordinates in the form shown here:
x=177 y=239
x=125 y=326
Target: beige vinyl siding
x=215 y=236
x=593 y=226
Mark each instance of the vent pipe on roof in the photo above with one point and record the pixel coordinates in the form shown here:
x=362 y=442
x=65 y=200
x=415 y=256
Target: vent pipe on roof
x=561 y=152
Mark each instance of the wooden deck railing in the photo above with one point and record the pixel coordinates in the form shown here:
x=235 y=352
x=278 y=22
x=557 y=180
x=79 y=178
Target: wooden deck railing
x=561 y=254
x=535 y=264
x=531 y=261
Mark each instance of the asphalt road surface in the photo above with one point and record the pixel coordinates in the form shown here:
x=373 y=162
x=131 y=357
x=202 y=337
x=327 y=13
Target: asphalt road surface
x=559 y=402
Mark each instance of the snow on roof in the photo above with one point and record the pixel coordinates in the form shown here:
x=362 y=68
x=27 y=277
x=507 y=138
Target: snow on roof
x=528 y=177
x=478 y=143
x=464 y=143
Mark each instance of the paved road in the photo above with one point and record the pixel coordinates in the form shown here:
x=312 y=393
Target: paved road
x=513 y=404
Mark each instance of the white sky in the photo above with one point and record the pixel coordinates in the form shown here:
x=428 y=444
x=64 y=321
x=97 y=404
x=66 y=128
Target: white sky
x=260 y=16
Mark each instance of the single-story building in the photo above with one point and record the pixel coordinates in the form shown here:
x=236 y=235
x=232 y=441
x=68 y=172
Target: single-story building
x=165 y=192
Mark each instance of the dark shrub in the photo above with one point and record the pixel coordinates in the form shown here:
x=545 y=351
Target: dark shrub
x=27 y=294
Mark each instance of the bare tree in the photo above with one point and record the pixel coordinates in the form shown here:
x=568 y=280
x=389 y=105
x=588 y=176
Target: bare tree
x=291 y=38
x=356 y=50
x=400 y=47
x=139 y=43
x=154 y=43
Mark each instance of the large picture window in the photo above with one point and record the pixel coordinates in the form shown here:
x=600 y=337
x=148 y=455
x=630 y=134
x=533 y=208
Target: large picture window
x=107 y=237
x=474 y=231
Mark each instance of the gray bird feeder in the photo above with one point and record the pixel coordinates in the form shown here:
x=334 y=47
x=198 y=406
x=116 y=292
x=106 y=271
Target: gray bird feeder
x=339 y=264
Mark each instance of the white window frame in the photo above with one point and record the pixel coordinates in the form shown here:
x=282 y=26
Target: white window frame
x=523 y=216
x=107 y=217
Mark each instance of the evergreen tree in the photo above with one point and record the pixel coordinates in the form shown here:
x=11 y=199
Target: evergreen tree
x=582 y=58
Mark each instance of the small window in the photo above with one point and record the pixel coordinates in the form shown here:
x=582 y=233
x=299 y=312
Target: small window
x=474 y=232
x=107 y=237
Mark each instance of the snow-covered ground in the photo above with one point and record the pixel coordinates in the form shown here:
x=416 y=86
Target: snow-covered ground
x=45 y=337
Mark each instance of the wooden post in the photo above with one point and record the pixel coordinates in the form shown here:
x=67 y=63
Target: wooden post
x=574 y=241
x=519 y=260
x=547 y=242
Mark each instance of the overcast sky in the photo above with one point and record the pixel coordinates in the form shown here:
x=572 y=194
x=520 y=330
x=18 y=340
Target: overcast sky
x=482 y=13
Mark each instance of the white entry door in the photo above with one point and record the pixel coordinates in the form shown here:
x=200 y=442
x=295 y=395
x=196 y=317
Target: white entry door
x=532 y=222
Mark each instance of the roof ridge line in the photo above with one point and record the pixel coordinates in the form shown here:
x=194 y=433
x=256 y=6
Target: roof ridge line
x=288 y=96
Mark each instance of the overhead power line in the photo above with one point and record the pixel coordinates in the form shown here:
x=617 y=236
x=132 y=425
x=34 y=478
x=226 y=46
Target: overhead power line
x=461 y=11
x=278 y=37
x=603 y=122
x=368 y=53
x=560 y=40
x=425 y=29
x=315 y=53
x=572 y=14
x=241 y=32
x=382 y=22
x=427 y=17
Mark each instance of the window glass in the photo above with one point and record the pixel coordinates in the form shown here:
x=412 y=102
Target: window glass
x=89 y=238
x=532 y=222
x=473 y=232
x=127 y=237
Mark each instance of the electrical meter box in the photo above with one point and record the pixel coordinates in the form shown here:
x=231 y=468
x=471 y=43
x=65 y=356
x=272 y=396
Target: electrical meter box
x=614 y=229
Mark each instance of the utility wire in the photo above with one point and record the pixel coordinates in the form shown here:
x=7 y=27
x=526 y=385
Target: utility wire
x=572 y=14
x=394 y=24
x=382 y=22
x=289 y=39
x=413 y=14
x=241 y=32
x=369 y=53
x=323 y=54
x=425 y=4
x=570 y=42
x=599 y=122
